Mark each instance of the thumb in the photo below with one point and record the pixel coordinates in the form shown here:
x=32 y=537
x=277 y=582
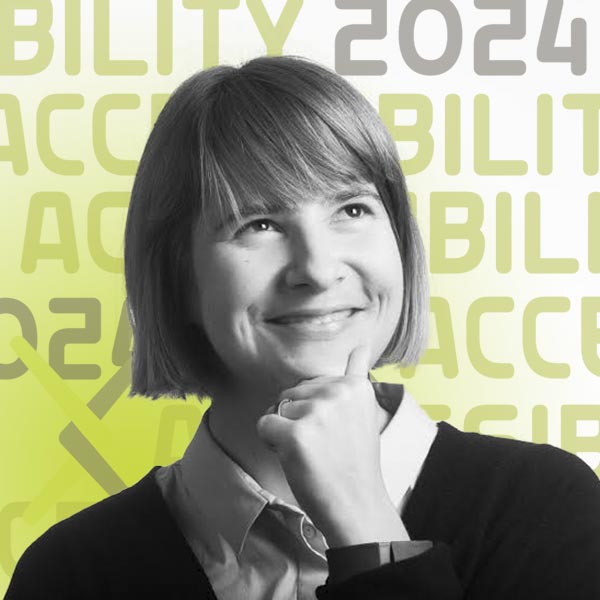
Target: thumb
x=359 y=361
x=273 y=430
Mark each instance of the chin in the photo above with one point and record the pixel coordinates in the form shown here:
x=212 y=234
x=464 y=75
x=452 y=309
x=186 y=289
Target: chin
x=296 y=369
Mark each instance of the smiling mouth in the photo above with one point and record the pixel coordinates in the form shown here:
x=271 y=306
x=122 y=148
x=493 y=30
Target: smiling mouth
x=326 y=322
x=332 y=317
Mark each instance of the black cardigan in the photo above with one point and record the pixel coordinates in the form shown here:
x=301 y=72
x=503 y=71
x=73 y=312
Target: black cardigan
x=509 y=520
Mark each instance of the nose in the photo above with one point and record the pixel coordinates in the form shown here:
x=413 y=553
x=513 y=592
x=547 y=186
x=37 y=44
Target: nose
x=314 y=260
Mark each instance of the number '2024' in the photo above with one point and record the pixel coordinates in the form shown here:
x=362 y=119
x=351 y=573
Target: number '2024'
x=547 y=48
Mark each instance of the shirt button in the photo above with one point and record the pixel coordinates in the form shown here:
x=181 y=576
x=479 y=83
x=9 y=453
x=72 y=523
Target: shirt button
x=309 y=531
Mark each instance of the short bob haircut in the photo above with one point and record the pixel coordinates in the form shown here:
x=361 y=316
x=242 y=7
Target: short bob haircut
x=270 y=131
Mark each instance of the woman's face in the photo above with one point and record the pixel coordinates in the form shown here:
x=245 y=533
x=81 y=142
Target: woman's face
x=287 y=295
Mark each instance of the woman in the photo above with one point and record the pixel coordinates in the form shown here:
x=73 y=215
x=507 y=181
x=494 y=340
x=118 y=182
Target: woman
x=271 y=261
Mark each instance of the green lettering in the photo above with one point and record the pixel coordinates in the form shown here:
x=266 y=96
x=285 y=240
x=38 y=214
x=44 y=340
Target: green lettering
x=452 y=120
x=210 y=26
x=103 y=64
x=589 y=104
x=481 y=363
x=39 y=32
x=590 y=333
x=484 y=165
x=14 y=152
x=539 y=424
x=534 y=261
x=539 y=365
x=19 y=310
x=88 y=334
x=592 y=232
x=157 y=103
x=47 y=106
x=489 y=412
x=106 y=159
x=418 y=132
x=437 y=412
x=571 y=414
x=274 y=36
x=164 y=37
x=121 y=351
x=33 y=248
x=72 y=37
x=445 y=354
x=98 y=204
x=469 y=230
x=503 y=232
x=545 y=134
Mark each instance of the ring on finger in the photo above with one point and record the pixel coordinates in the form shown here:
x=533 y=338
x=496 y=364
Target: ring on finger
x=280 y=406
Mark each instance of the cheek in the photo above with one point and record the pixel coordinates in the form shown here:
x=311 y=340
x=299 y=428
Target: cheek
x=385 y=267
x=389 y=275
x=230 y=286
x=393 y=286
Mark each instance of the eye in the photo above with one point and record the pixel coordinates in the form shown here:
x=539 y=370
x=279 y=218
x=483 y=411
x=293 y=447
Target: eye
x=257 y=226
x=355 y=211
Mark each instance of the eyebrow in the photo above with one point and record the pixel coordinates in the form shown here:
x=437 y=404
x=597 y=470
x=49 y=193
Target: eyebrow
x=259 y=209
x=244 y=211
x=356 y=191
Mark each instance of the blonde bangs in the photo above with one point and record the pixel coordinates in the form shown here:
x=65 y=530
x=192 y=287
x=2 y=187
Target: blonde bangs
x=268 y=155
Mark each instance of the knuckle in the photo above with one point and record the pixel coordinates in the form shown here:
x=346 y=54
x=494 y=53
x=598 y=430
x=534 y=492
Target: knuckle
x=262 y=425
x=347 y=389
x=301 y=434
x=323 y=412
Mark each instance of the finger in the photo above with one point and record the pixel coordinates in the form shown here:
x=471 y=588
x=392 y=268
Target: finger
x=273 y=430
x=358 y=361
x=297 y=409
x=316 y=380
x=307 y=392
x=277 y=409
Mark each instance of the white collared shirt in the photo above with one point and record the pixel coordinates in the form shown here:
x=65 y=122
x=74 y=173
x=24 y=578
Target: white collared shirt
x=250 y=543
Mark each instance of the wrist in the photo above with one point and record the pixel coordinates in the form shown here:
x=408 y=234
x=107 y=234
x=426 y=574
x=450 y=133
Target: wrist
x=379 y=523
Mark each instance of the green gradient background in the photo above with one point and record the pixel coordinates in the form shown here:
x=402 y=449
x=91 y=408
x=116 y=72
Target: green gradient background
x=140 y=433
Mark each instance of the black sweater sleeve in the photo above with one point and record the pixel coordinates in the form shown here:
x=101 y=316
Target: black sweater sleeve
x=429 y=575
x=522 y=522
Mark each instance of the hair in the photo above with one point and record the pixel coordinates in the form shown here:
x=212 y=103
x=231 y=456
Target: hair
x=264 y=130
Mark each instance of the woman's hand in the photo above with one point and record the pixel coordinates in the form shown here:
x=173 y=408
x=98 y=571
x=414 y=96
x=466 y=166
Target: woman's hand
x=327 y=440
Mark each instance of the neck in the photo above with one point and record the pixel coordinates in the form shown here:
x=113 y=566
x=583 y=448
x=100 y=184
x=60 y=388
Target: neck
x=233 y=418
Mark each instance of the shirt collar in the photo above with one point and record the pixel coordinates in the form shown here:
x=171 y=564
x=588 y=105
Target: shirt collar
x=213 y=479
x=404 y=443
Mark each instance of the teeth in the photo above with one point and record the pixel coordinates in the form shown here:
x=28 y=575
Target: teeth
x=317 y=320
